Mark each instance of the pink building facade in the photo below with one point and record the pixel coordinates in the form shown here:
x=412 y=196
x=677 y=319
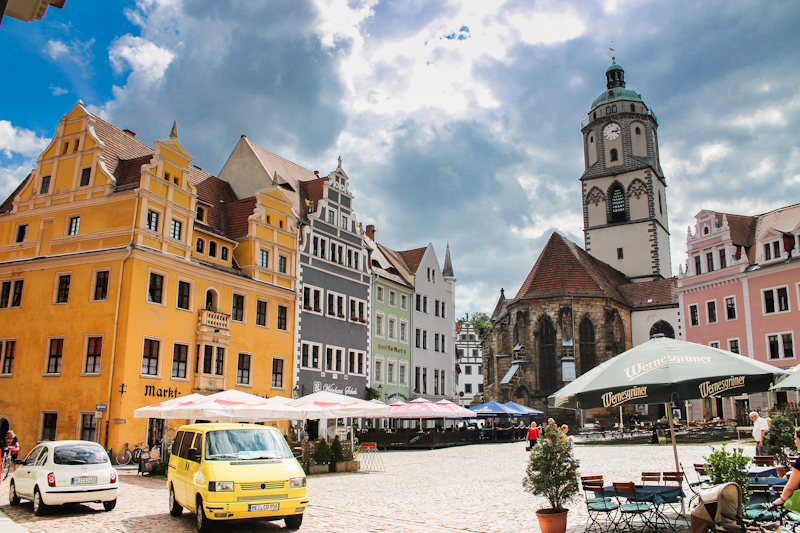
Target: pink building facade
x=740 y=291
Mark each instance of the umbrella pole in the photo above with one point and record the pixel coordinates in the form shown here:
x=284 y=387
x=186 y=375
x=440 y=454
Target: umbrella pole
x=620 y=418
x=671 y=418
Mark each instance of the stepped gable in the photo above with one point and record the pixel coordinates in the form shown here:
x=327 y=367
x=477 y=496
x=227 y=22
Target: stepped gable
x=656 y=293
x=8 y=204
x=412 y=258
x=237 y=214
x=118 y=144
x=216 y=193
x=564 y=269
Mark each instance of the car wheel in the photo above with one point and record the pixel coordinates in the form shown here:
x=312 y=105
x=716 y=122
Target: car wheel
x=13 y=497
x=110 y=505
x=39 y=507
x=175 y=508
x=293 y=521
x=203 y=523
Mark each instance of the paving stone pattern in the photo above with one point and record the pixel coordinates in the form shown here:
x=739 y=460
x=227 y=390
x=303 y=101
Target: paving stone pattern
x=475 y=488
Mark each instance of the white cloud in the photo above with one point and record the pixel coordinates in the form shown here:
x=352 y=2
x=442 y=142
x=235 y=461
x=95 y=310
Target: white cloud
x=140 y=56
x=58 y=91
x=56 y=49
x=11 y=176
x=20 y=141
x=73 y=51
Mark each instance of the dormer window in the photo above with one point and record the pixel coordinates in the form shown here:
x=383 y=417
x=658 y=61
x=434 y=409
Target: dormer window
x=772 y=250
x=705 y=230
x=212 y=249
x=201 y=214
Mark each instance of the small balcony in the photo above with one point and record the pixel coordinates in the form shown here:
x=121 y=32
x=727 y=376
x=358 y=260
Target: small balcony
x=213 y=321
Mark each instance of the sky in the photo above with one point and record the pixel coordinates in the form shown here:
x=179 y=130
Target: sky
x=458 y=121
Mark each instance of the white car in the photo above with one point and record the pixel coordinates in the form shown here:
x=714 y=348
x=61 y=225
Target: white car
x=65 y=471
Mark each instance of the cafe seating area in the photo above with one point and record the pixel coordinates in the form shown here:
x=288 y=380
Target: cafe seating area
x=688 y=432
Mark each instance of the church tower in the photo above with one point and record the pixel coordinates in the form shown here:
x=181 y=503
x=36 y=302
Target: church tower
x=623 y=187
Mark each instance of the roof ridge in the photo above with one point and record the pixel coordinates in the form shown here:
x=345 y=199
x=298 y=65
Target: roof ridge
x=278 y=156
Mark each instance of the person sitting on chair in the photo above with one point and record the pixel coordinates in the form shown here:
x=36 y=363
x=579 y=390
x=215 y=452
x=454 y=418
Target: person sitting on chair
x=794 y=479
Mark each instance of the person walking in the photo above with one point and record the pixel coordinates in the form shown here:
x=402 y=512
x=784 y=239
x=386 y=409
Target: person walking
x=533 y=435
x=565 y=432
x=760 y=427
x=12 y=448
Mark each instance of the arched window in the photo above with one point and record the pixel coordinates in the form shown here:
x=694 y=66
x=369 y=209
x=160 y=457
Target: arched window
x=211 y=300
x=614 y=154
x=200 y=246
x=588 y=349
x=617 y=204
x=548 y=379
x=662 y=327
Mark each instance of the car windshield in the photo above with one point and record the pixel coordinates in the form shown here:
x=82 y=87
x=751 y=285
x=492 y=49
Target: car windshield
x=79 y=454
x=245 y=444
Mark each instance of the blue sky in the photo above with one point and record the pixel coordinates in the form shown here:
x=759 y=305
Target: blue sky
x=457 y=121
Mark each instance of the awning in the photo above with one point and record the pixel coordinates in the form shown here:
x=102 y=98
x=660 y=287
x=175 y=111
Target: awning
x=509 y=374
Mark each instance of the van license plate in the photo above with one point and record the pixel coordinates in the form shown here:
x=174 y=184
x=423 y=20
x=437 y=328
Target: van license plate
x=85 y=480
x=264 y=507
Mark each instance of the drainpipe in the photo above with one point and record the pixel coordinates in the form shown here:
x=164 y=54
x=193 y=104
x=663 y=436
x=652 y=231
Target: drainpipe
x=116 y=316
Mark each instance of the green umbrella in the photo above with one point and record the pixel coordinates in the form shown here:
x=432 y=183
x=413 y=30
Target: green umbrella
x=792 y=382
x=663 y=370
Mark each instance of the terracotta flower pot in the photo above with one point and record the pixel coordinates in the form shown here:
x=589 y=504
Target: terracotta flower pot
x=551 y=522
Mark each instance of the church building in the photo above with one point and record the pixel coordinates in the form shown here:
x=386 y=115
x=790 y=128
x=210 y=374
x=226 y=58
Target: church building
x=579 y=307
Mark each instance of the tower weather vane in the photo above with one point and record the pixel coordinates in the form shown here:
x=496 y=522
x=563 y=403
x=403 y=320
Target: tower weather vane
x=613 y=52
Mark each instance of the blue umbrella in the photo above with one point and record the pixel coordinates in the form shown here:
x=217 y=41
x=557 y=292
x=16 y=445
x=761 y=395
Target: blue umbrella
x=495 y=409
x=525 y=409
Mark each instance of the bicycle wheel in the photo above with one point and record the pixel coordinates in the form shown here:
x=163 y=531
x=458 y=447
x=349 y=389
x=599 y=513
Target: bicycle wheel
x=6 y=466
x=137 y=454
x=124 y=457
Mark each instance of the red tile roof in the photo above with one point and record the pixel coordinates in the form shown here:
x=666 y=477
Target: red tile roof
x=563 y=268
x=237 y=214
x=216 y=193
x=656 y=293
x=8 y=204
x=129 y=171
x=412 y=258
x=743 y=228
x=118 y=144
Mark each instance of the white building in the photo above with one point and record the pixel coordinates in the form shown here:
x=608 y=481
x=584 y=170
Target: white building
x=469 y=364
x=433 y=332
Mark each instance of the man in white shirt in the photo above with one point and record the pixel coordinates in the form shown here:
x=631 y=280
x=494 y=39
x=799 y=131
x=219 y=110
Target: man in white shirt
x=760 y=427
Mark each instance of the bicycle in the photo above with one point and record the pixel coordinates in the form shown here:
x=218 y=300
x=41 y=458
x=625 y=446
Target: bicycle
x=8 y=463
x=773 y=519
x=125 y=456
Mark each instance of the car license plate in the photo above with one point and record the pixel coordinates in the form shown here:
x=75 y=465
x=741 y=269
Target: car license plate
x=85 y=480
x=264 y=507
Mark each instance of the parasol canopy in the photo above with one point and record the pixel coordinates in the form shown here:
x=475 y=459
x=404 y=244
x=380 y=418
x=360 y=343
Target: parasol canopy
x=496 y=409
x=662 y=370
x=525 y=409
x=422 y=408
x=792 y=382
x=457 y=410
x=339 y=406
x=168 y=408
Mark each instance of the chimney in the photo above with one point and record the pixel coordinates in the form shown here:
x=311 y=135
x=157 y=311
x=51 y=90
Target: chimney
x=316 y=173
x=372 y=233
x=129 y=132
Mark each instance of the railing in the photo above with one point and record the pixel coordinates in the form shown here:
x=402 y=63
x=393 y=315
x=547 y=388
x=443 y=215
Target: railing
x=213 y=319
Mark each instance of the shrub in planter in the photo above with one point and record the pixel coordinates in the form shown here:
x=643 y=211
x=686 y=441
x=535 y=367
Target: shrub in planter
x=723 y=466
x=336 y=450
x=323 y=455
x=552 y=473
x=779 y=440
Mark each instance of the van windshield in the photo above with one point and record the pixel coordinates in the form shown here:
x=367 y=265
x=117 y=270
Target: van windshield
x=245 y=444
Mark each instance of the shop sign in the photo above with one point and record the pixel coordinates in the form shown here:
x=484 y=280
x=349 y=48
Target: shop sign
x=119 y=420
x=151 y=390
x=330 y=387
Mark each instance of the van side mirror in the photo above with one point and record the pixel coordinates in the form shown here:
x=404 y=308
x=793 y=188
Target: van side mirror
x=193 y=455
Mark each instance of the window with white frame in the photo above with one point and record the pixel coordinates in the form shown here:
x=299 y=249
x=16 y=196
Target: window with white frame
x=444 y=343
x=282 y=264
x=776 y=300
x=261 y=313
x=336 y=305
x=283 y=318
x=94 y=352
x=435 y=342
x=223 y=253
x=356 y=362
x=780 y=345
x=772 y=250
x=48 y=424
x=63 y=281
x=22 y=233
x=403 y=328
x=444 y=313
x=155 y=288
x=694 y=317
x=243 y=369
x=733 y=345
x=714 y=344
x=730 y=308
x=152 y=220
x=55 y=352
x=200 y=245
x=402 y=373
x=8 y=348
x=312 y=299
x=379 y=293
x=418 y=338
x=424 y=304
x=150 y=356
x=357 y=309
x=711 y=311
x=390 y=372
x=9 y=297
x=436 y=307
x=184 y=295
x=379 y=324
x=74 y=225
x=424 y=339
x=264 y=258
x=180 y=361
x=310 y=355
x=331 y=216
x=237 y=307
x=403 y=301
x=176 y=230
x=277 y=373
x=392 y=298
x=378 y=370
x=390 y=328
x=334 y=359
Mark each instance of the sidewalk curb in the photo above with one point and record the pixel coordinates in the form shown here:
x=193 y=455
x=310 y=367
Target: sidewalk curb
x=9 y=526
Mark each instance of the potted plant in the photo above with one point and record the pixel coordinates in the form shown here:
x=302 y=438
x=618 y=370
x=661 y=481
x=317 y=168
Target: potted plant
x=729 y=467
x=779 y=442
x=322 y=458
x=552 y=473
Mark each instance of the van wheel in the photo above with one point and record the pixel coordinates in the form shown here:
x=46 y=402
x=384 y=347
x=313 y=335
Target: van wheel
x=204 y=524
x=293 y=521
x=108 y=506
x=175 y=509
x=39 y=507
x=13 y=497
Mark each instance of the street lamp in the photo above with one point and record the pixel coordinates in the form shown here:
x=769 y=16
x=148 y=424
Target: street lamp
x=296 y=392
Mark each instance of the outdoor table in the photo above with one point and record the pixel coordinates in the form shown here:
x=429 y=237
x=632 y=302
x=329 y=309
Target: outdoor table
x=658 y=495
x=757 y=472
x=772 y=481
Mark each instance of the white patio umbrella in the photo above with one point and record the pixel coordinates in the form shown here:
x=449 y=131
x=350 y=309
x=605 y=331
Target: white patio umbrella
x=340 y=406
x=166 y=409
x=457 y=410
x=422 y=408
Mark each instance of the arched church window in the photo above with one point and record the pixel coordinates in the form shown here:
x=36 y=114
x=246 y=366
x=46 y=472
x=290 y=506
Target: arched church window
x=588 y=351
x=614 y=154
x=548 y=380
x=638 y=130
x=617 y=204
x=614 y=108
x=664 y=328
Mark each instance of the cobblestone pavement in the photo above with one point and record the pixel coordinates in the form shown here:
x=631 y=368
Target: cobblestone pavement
x=475 y=488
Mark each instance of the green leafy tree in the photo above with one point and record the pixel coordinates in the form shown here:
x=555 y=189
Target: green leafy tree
x=779 y=440
x=725 y=466
x=552 y=471
x=372 y=393
x=481 y=321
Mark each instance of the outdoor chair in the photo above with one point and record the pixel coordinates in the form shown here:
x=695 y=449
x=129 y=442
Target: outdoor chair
x=677 y=504
x=595 y=480
x=632 y=510
x=764 y=460
x=760 y=498
x=651 y=477
x=600 y=510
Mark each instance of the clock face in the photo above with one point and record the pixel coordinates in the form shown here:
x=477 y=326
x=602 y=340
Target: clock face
x=611 y=131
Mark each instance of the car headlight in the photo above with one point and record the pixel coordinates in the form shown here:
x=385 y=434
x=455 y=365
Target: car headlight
x=220 y=486
x=297 y=483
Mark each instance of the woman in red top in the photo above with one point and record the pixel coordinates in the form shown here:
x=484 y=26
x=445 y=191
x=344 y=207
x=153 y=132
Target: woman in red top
x=533 y=435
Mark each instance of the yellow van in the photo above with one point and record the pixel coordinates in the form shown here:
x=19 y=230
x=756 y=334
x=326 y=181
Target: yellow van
x=235 y=471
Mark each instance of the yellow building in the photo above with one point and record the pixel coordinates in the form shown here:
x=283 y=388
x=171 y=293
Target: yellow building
x=127 y=275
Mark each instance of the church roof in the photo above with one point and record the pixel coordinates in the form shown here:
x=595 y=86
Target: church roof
x=616 y=94
x=447 y=271
x=564 y=269
x=656 y=293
